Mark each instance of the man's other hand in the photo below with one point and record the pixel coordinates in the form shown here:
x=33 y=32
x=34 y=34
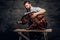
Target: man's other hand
x=19 y=22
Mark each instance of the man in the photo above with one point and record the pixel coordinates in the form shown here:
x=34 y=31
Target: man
x=30 y=8
x=38 y=10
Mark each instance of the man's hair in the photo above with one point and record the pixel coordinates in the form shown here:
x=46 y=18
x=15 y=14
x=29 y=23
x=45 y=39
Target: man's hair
x=27 y=2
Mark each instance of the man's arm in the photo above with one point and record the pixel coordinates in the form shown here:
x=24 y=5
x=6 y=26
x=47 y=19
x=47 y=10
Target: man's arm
x=42 y=11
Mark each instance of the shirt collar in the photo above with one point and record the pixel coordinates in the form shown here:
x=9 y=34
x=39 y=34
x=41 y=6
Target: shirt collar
x=31 y=7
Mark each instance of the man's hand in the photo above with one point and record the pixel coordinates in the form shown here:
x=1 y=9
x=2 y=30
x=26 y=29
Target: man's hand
x=19 y=22
x=34 y=15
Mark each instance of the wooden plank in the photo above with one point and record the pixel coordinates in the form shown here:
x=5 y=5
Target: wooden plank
x=24 y=30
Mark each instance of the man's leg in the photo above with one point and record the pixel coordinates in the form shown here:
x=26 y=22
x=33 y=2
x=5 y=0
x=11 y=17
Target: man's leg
x=39 y=36
x=36 y=36
x=32 y=35
x=26 y=34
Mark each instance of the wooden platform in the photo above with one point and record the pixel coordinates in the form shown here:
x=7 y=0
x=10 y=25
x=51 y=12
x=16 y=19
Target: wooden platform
x=24 y=30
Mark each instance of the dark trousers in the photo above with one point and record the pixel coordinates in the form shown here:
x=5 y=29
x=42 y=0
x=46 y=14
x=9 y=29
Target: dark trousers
x=35 y=36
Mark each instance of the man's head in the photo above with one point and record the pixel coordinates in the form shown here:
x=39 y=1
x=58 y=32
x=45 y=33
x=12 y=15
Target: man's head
x=27 y=4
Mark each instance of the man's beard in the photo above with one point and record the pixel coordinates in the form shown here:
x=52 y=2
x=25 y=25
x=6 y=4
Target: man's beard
x=28 y=9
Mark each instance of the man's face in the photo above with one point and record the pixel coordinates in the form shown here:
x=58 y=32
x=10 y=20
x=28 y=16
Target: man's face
x=27 y=5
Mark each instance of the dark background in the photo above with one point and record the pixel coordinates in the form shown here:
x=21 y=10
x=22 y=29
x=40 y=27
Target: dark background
x=12 y=10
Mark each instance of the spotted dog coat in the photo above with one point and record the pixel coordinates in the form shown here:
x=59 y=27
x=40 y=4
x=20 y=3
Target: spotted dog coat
x=38 y=22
